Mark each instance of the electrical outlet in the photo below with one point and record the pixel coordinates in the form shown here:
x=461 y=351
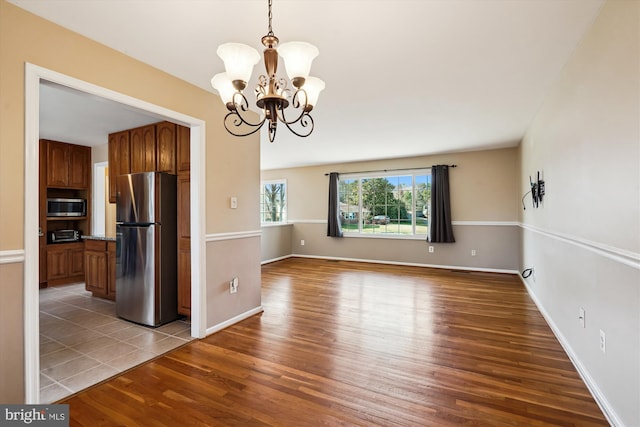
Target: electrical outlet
x=473 y=252
x=233 y=285
x=603 y=341
x=431 y=249
x=533 y=273
x=302 y=242
x=581 y=315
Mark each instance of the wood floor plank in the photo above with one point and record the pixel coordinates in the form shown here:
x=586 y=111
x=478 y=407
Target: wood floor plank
x=354 y=344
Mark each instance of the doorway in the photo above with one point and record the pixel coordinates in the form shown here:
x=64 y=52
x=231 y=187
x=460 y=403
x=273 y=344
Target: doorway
x=33 y=76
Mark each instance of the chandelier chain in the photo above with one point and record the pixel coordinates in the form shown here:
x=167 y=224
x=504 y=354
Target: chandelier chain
x=270 y=33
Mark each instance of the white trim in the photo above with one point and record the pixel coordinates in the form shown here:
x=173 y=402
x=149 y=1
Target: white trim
x=412 y=264
x=632 y=259
x=269 y=261
x=595 y=391
x=98 y=198
x=274 y=224
x=234 y=320
x=216 y=237
x=487 y=223
x=33 y=75
x=11 y=257
x=307 y=221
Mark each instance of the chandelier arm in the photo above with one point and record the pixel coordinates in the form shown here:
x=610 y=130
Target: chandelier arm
x=296 y=105
x=305 y=121
x=236 y=121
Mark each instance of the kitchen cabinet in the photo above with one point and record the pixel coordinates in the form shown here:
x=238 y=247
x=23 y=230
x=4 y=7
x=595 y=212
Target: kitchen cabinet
x=166 y=147
x=143 y=149
x=65 y=263
x=119 y=159
x=100 y=268
x=146 y=149
x=183 y=149
x=64 y=172
x=68 y=165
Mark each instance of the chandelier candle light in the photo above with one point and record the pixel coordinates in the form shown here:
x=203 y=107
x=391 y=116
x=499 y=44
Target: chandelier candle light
x=272 y=93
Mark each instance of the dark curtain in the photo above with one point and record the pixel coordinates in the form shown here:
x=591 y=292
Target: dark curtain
x=334 y=228
x=440 y=229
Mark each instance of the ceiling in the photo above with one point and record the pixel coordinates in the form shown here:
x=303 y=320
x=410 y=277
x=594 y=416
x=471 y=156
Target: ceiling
x=403 y=77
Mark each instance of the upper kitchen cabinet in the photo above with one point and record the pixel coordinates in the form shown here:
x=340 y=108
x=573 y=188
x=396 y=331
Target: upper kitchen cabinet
x=166 y=147
x=143 y=149
x=183 y=144
x=119 y=159
x=152 y=148
x=68 y=165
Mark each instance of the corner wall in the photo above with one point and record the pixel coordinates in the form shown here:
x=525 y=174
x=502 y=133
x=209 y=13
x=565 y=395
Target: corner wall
x=584 y=241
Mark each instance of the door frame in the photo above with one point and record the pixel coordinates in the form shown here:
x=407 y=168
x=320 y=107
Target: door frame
x=33 y=75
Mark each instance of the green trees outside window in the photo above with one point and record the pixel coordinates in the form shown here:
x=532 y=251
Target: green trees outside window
x=394 y=204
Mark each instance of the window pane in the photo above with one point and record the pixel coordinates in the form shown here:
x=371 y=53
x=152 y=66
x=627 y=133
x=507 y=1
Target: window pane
x=387 y=204
x=273 y=206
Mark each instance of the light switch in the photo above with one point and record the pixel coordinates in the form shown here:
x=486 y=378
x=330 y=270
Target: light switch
x=234 y=203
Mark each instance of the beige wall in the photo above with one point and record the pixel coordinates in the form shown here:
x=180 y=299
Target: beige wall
x=11 y=340
x=484 y=191
x=275 y=242
x=584 y=241
x=232 y=164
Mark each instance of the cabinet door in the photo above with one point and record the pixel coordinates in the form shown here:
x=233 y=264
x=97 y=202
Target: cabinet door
x=79 y=166
x=119 y=160
x=96 y=272
x=57 y=164
x=57 y=263
x=76 y=260
x=137 y=150
x=183 y=143
x=166 y=147
x=111 y=270
x=143 y=149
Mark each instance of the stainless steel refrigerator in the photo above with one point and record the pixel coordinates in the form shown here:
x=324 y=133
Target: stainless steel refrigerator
x=146 y=248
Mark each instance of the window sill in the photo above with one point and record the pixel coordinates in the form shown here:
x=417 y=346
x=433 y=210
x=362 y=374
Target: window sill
x=385 y=236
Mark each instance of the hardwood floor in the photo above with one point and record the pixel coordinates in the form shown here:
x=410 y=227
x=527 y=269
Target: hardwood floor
x=343 y=343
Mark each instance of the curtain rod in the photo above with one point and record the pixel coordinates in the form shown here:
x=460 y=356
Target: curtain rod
x=390 y=170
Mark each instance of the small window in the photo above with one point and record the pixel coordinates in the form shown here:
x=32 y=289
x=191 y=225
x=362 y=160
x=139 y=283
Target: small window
x=273 y=202
x=386 y=204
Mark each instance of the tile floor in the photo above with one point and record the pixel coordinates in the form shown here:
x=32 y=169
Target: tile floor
x=83 y=342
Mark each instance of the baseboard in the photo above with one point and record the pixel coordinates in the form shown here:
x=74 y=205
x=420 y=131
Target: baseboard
x=595 y=391
x=234 y=320
x=269 y=261
x=411 y=264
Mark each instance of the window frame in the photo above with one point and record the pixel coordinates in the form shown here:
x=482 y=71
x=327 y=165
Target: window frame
x=285 y=211
x=360 y=176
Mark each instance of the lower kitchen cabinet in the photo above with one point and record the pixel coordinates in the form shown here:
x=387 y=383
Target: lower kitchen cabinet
x=65 y=263
x=100 y=268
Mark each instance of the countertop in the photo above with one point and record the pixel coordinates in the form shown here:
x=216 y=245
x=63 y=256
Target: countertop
x=99 y=237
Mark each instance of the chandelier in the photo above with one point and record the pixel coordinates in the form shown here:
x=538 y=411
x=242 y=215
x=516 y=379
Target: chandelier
x=273 y=96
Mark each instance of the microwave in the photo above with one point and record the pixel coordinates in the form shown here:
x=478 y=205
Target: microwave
x=58 y=207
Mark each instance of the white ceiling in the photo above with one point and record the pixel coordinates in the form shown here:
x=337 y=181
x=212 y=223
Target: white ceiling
x=404 y=78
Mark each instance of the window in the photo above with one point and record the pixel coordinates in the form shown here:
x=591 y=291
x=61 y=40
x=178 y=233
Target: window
x=273 y=202
x=385 y=203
